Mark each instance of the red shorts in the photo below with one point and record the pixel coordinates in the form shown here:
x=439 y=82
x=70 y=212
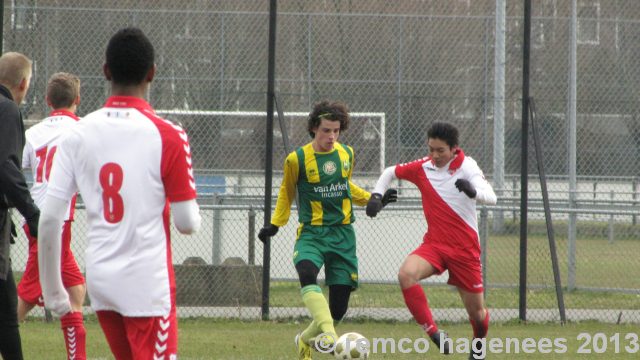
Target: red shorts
x=465 y=268
x=29 y=288
x=140 y=338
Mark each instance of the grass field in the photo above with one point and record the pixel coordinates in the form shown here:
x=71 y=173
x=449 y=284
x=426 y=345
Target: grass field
x=202 y=339
x=600 y=264
x=286 y=294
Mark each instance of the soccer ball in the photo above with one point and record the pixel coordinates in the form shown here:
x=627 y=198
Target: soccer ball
x=352 y=346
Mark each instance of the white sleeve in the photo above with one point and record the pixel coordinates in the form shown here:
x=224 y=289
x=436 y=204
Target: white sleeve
x=484 y=190
x=186 y=216
x=49 y=250
x=26 y=156
x=388 y=175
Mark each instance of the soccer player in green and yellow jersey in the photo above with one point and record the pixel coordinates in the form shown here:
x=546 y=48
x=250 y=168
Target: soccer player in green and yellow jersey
x=321 y=173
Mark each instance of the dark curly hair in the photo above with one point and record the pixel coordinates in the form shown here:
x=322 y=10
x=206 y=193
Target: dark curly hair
x=130 y=56
x=328 y=110
x=444 y=131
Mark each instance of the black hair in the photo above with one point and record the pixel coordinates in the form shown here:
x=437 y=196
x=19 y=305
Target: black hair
x=444 y=131
x=130 y=56
x=328 y=110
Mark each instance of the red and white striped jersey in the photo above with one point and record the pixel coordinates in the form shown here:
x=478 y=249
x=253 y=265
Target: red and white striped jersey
x=450 y=214
x=42 y=142
x=128 y=164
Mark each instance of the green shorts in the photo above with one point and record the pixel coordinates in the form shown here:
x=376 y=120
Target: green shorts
x=331 y=246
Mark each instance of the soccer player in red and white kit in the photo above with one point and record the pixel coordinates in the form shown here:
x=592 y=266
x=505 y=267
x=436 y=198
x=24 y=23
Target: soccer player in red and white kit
x=133 y=170
x=42 y=140
x=450 y=184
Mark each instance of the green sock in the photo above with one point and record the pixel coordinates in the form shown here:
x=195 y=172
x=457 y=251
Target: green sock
x=315 y=301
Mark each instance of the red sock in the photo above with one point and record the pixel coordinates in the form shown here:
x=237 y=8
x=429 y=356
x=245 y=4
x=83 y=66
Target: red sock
x=480 y=329
x=418 y=305
x=74 y=335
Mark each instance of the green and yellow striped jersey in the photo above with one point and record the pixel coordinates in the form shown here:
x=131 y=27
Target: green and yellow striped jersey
x=323 y=183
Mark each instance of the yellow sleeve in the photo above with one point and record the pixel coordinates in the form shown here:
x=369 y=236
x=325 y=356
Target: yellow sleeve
x=359 y=196
x=287 y=192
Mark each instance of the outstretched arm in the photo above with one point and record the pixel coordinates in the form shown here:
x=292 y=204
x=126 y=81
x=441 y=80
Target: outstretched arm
x=359 y=195
x=388 y=175
x=377 y=200
x=286 y=195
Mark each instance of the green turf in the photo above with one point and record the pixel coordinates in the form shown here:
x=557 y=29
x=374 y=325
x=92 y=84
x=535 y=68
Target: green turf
x=286 y=294
x=600 y=264
x=235 y=340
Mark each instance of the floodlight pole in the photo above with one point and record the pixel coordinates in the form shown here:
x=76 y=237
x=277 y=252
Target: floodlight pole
x=572 y=232
x=268 y=177
x=524 y=172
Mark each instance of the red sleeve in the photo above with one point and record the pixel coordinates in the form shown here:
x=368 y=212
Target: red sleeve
x=177 y=174
x=409 y=171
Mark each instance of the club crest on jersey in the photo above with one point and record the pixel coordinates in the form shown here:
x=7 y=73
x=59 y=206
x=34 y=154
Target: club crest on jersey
x=346 y=165
x=329 y=168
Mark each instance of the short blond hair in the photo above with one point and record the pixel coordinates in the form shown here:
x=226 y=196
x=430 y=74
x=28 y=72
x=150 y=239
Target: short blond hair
x=14 y=67
x=63 y=89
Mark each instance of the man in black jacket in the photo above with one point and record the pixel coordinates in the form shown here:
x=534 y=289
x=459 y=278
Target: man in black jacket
x=15 y=77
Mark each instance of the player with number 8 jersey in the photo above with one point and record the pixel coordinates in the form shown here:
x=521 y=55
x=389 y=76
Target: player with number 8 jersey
x=125 y=196
x=132 y=169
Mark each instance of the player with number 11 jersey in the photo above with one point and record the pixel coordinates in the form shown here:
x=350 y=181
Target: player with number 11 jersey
x=42 y=141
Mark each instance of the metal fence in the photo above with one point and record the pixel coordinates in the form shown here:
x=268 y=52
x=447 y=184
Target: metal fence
x=415 y=62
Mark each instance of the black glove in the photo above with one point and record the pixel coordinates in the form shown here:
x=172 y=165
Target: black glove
x=374 y=205
x=32 y=224
x=14 y=232
x=390 y=196
x=466 y=187
x=267 y=231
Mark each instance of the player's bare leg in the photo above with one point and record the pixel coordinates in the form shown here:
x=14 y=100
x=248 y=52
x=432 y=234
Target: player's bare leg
x=479 y=318
x=76 y=296
x=414 y=269
x=23 y=309
x=73 y=324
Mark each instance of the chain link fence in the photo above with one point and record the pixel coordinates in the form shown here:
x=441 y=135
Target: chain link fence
x=406 y=64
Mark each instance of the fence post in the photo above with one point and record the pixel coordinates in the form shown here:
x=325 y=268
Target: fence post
x=252 y=236
x=239 y=184
x=595 y=195
x=611 y=195
x=216 y=241
x=483 y=227
x=514 y=186
x=634 y=187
